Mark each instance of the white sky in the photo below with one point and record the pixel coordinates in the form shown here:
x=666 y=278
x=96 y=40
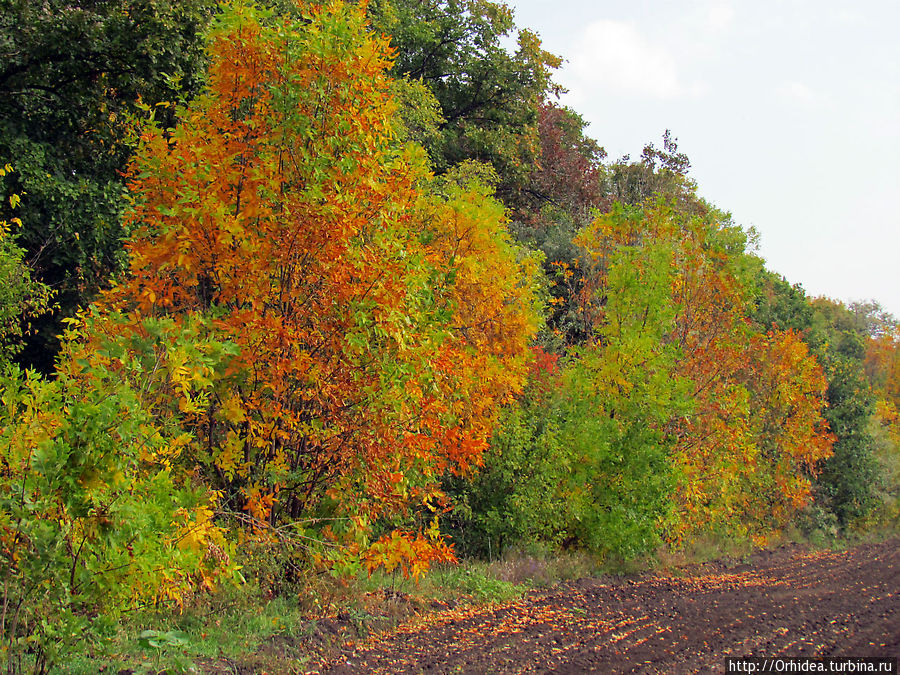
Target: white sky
x=788 y=109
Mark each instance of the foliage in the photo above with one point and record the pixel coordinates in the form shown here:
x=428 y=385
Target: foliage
x=380 y=317
x=418 y=110
x=675 y=418
x=873 y=319
x=780 y=306
x=573 y=203
x=325 y=348
x=413 y=554
x=848 y=478
x=71 y=74
x=583 y=458
x=21 y=297
x=516 y=496
x=559 y=198
x=884 y=428
x=488 y=96
x=788 y=388
x=660 y=172
x=95 y=516
x=565 y=183
x=159 y=641
x=724 y=449
x=853 y=347
x=846 y=486
x=882 y=365
x=625 y=390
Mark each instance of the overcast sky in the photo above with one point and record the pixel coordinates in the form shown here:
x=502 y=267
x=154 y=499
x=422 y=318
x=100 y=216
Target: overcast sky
x=788 y=109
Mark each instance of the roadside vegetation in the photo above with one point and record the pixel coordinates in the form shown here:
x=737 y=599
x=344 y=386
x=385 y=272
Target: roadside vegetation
x=302 y=304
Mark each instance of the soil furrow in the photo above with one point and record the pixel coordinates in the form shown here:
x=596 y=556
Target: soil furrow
x=787 y=602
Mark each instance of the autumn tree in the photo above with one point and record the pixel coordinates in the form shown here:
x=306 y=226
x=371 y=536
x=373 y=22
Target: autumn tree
x=583 y=459
x=570 y=186
x=780 y=305
x=847 y=342
x=846 y=486
x=660 y=171
x=564 y=183
x=788 y=388
x=873 y=318
x=883 y=373
x=97 y=514
x=517 y=498
x=723 y=446
x=626 y=386
x=379 y=317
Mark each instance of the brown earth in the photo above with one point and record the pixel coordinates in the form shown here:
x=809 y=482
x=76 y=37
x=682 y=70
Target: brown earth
x=786 y=602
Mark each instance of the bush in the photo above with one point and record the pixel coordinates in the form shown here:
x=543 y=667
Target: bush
x=95 y=516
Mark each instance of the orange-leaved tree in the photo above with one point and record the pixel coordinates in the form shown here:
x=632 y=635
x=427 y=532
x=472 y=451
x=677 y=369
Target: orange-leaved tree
x=748 y=451
x=378 y=317
x=716 y=445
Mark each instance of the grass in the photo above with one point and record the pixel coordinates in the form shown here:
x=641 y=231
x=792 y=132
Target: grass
x=218 y=627
x=311 y=619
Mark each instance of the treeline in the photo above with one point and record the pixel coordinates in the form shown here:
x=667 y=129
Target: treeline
x=340 y=287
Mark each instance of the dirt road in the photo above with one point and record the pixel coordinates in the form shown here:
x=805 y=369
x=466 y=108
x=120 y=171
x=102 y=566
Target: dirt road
x=788 y=602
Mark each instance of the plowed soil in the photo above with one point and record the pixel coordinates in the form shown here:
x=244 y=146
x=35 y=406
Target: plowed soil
x=787 y=602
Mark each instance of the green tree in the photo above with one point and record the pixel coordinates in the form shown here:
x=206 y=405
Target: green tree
x=847 y=484
x=71 y=75
x=584 y=458
x=659 y=172
x=488 y=97
x=873 y=318
x=623 y=390
x=21 y=297
x=517 y=498
x=780 y=305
